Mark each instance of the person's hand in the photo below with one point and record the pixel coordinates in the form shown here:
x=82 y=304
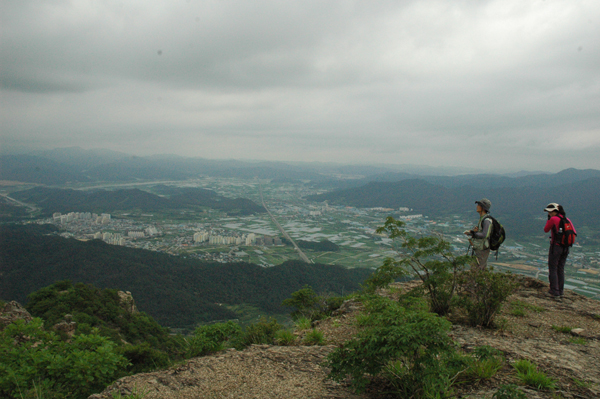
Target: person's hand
x=475 y=229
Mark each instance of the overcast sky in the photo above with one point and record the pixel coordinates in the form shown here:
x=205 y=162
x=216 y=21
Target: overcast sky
x=486 y=84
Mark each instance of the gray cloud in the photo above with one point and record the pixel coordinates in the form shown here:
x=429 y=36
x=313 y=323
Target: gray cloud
x=412 y=82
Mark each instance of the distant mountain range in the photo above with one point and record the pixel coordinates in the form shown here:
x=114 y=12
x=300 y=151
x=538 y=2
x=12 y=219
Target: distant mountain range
x=519 y=205
x=64 y=165
x=178 y=292
x=67 y=200
x=69 y=165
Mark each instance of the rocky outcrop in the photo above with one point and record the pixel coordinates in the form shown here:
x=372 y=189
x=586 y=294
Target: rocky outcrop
x=571 y=358
x=260 y=371
x=127 y=302
x=348 y=306
x=11 y=312
x=66 y=326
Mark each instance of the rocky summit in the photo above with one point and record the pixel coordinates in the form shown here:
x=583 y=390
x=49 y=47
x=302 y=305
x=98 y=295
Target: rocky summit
x=11 y=312
x=561 y=337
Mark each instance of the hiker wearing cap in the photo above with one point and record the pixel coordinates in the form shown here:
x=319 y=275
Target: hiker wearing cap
x=557 y=255
x=480 y=235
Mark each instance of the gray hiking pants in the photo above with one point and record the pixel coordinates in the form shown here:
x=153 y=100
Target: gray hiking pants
x=482 y=257
x=557 y=257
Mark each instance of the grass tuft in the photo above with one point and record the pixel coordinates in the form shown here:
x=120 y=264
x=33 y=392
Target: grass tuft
x=562 y=329
x=529 y=374
x=285 y=338
x=303 y=323
x=314 y=337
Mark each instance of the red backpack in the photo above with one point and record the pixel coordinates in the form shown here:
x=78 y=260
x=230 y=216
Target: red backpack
x=565 y=236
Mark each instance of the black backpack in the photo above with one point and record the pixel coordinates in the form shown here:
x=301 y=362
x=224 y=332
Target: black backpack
x=497 y=234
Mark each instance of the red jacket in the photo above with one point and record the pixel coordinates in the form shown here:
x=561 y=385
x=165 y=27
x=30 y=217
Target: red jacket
x=552 y=225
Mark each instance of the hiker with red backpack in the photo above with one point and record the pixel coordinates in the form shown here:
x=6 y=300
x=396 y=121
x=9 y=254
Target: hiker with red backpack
x=562 y=238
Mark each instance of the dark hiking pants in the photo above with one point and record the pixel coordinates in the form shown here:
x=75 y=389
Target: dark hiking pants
x=557 y=257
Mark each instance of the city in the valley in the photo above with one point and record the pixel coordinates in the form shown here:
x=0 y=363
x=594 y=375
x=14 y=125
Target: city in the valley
x=260 y=238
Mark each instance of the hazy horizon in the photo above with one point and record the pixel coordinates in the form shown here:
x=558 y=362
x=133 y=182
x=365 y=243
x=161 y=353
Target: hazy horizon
x=485 y=86
x=418 y=169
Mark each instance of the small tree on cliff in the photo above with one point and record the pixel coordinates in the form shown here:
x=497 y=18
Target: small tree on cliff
x=429 y=258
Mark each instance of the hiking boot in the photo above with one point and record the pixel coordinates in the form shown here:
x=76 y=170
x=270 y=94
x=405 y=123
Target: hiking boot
x=551 y=295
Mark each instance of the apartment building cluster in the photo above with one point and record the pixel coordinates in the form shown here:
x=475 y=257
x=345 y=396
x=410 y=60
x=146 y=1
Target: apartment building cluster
x=244 y=239
x=110 y=238
x=103 y=218
x=410 y=217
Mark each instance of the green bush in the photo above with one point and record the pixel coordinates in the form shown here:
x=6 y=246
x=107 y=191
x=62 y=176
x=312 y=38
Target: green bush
x=529 y=374
x=261 y=332
x=285 y=338
x=407 y=345
x=303 y=323
x=428 y=258
x=482 y=294
x=314 y=337
x=33 y=359
x=144 y=357
x=310 y=305
x=383 y=276
x=212 y=338
x=484 y=363
x=92 y=307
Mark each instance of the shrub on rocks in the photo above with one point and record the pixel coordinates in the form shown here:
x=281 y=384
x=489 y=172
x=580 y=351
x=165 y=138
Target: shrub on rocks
x=407 y=345
x=483 y=292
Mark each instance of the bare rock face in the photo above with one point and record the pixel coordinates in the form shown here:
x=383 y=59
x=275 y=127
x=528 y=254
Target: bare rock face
x=11 y=312
x=260 y=371
x=67 y=326
x=127 y=301
x=348 y=306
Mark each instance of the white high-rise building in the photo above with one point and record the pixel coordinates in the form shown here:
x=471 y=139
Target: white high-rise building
x=251 y=239
x=201 y=236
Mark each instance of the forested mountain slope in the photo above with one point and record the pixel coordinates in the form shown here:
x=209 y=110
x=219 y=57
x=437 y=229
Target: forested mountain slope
x=67 y=200
x=176 y=291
